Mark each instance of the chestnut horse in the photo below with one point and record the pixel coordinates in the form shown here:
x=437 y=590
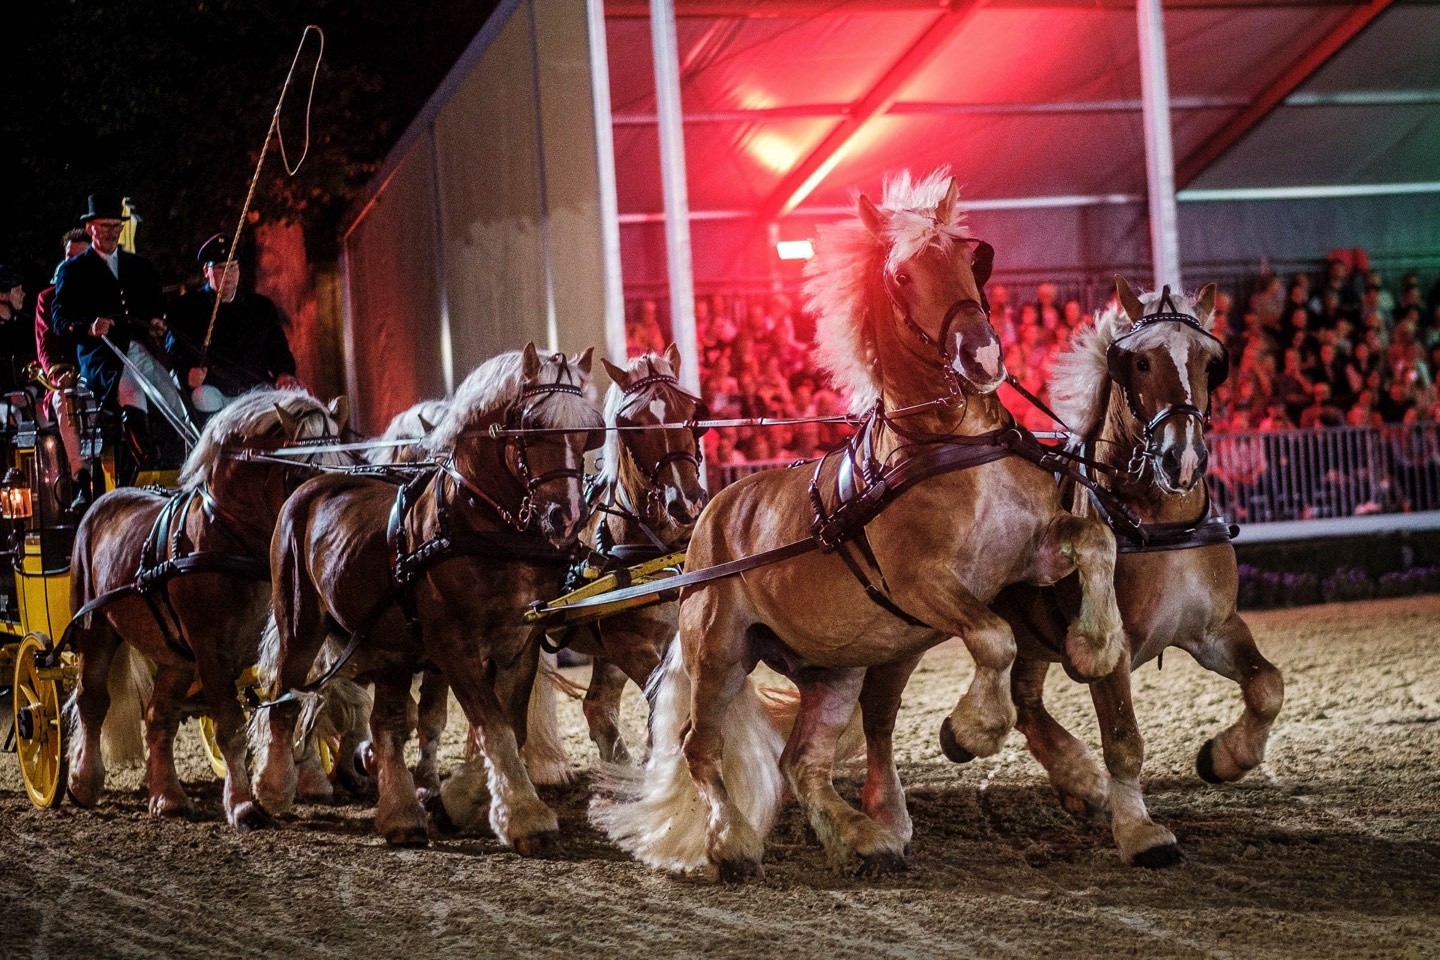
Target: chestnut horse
x=206 y=623
x=649 y=495
x=903 y=327
x=441 y=574
x=1136 y=386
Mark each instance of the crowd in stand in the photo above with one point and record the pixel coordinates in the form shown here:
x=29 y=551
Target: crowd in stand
x=1341 y=348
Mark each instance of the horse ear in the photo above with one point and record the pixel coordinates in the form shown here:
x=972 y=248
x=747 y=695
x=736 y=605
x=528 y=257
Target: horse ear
x=672 y=357
x=945 y=210
x=530 y=361
x=1128 y=300
x=288 y=422
x=340 y=410
x=586 y=361
x=871 y=216
x=1205 y=303
x=618 y=375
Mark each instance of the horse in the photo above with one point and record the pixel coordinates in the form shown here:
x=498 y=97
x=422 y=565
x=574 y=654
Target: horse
x=1136 y=387
x=492 y=523
x=203 y=622
x=904 y=330
x=649 y=494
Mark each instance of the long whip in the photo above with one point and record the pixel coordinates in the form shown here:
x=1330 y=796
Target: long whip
x=272 y=133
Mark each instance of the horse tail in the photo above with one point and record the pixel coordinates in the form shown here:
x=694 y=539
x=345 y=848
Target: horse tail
x=782 y=707
x=266 y=671
x=544 y=753
x=122 y=735
x=657 y=814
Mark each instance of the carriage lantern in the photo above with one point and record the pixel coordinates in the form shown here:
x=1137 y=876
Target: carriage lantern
x=15 y=496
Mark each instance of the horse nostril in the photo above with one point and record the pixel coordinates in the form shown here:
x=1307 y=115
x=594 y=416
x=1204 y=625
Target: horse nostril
x=555 y=517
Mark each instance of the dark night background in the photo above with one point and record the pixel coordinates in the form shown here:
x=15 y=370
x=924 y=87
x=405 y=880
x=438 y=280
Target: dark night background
x=168 y=103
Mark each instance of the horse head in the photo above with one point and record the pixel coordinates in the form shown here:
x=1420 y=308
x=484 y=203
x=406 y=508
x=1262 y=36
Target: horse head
x=555 y=393
x=660 y=467
x=1166 y=366
x=934 y=279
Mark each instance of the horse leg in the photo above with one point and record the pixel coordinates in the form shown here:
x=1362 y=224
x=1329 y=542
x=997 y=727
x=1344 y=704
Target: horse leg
x=218 y=681
x=883 y=796
x=853 y=841
x=162 y=720
x=1238 y=749
x=298 y=635
x=434 y=707
x=97 y=646
x=1079 y=779
x=399 y=817
x=1095 y=641
x=1142 y=842
x=602 y=710
x=518 y=817
x=984 y=714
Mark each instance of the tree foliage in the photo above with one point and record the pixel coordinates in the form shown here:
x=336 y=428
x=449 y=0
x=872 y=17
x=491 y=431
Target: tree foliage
x=169 y=102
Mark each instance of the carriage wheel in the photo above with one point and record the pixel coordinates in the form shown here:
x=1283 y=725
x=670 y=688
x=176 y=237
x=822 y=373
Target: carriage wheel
x=212 y=747
x=39 y=729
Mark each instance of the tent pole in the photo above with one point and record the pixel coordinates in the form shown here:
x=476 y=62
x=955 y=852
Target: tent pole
x=609 y=195
x=1159 y=151
x=677 y=202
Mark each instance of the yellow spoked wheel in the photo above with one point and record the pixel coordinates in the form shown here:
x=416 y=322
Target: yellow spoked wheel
x=212 y=748
x=39 y=729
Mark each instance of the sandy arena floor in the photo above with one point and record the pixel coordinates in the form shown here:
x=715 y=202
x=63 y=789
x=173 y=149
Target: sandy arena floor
x=1330 y=849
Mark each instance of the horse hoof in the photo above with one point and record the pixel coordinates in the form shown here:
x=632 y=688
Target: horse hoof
x=435 y=806
x=167 y=809
x=1078 y=806
x=408 y=838
x=1158 y=858
x=950 y=746
x=535 y=845
x=251 y=816
x=1205 y=763
x=739 y=871
x=882 y=862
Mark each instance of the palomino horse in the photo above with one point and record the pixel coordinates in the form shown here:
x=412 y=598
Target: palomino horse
x=1136 y=386
x=441 y=573
x=650 y=495
x=903 y=327
x=206 y=622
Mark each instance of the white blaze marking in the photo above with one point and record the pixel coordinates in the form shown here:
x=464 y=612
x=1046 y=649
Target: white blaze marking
x=657 y=407
x=989 y=358
x=1180 y=354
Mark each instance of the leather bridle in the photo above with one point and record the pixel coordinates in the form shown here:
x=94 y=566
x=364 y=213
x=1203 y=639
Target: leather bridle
x=982 y=263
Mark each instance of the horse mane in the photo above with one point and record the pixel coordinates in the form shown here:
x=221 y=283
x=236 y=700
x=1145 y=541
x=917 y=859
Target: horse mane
x=1079 y=376
x=843 y=283
x=409 y=424
x=497 y=383
x=250 y=416
x=615 y=467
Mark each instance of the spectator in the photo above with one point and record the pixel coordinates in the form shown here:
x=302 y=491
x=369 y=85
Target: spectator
x=1321 y=412
x=17 y=333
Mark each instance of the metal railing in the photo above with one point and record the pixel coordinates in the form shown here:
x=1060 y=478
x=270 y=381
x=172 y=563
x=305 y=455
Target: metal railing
x=1298 y=474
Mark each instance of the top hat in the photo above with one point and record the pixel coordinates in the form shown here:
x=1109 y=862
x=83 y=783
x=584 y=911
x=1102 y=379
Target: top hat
x=105 y=206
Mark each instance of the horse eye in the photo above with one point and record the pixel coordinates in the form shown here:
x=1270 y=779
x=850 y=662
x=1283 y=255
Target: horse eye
x=1143 y=365
x=902 y=278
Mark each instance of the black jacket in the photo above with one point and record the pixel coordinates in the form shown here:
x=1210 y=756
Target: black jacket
x=85 y=289
x=248 y=349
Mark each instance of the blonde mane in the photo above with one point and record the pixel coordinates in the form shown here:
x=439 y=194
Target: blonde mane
x=1079 y=377
x=615 y=466
x=497 y=383
x=409 y=424
x=843 y=281
x=250 y=417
